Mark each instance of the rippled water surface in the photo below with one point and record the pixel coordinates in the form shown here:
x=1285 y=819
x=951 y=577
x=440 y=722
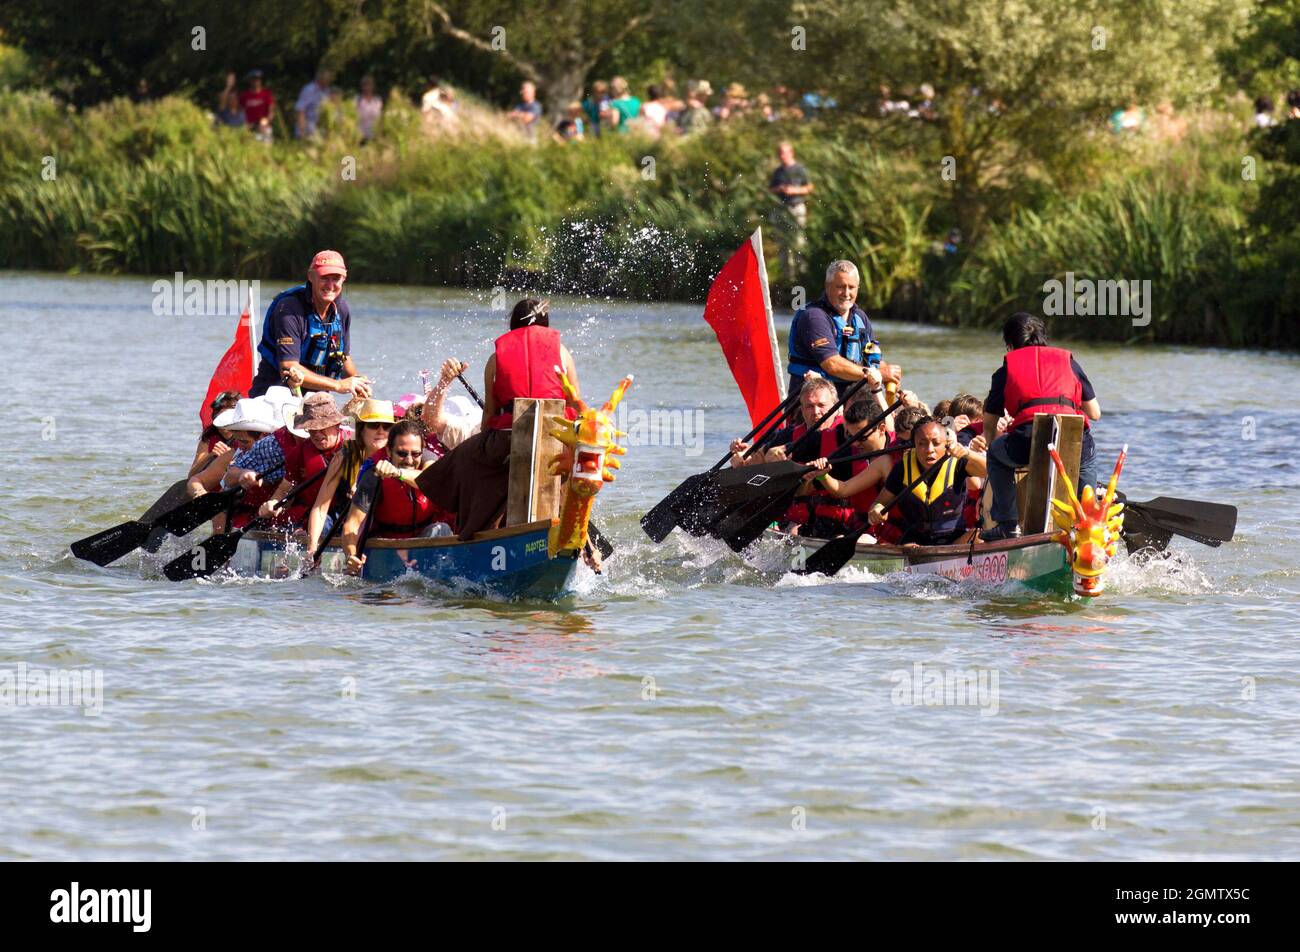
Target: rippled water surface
x=688 y=704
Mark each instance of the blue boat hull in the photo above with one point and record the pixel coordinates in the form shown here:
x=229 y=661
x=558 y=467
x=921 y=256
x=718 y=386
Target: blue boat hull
x=510 y=563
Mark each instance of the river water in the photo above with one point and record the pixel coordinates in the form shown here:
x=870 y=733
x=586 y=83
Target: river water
x=688 y=704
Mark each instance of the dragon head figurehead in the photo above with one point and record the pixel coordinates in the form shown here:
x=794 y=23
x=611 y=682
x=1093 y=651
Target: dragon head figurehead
x=587 y=461
x=1088 y=528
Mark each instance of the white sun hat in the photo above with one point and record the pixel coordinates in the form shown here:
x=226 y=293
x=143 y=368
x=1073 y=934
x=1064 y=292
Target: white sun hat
x=463 y=407
x=250 y=413
x=283 y=404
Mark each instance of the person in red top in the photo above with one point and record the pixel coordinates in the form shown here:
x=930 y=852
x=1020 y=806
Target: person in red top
x=472 y=480
x=319 y=429
x=1034 y=378
x=258 y=103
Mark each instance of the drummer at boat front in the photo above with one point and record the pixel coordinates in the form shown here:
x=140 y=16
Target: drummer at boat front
x=833 y=336
x=1034 y=378
x=307 y=335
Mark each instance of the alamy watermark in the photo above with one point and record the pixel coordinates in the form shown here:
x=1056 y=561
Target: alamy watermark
x=52 y=687
x=946 y=687
x=661 y=427
x=176 y=296
x=1088 y=298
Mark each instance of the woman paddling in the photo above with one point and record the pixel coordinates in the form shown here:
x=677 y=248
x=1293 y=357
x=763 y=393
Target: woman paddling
x=389 y=491
x=472 y=480
x=932 y=513
x=366 y=448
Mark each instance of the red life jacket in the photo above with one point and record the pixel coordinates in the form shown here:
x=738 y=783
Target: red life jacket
x=1040 y=380
x=302 y=463
x=819 y=505
x=400 y=511
x=863 y=501
x=526 y=362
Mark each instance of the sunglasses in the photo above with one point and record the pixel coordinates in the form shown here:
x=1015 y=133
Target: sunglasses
x=400 y=455
x=379 y=425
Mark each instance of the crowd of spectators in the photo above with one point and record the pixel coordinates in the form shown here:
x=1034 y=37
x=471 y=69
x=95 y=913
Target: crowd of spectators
x=608 y=107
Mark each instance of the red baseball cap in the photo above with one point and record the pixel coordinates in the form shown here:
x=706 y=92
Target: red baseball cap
x=328 y=262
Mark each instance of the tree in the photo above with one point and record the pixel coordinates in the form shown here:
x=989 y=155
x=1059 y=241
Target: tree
x=1020 y=84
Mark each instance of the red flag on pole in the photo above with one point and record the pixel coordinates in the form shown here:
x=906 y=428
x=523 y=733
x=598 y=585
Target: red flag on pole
x=235 y=371
x=740 y=312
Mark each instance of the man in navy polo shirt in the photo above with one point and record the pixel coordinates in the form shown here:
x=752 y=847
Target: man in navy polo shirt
x=307 y=335
x=832 y=334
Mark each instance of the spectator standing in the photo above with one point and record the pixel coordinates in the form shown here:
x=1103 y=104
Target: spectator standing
x=528 y=114
x=597 y=101
x=696 y=116
x=623 y=107
x=791 y=184
x=370 y=107
x=229 y=111
x=307 y=108
x=259 y=106
x=654 y=112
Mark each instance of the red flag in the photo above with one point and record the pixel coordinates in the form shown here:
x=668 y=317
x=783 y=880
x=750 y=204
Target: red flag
x=740 y=313
x=235 y=371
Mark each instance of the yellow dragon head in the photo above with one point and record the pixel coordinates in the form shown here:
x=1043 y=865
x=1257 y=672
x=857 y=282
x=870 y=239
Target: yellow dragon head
x=1088 y=528
x=588 y=459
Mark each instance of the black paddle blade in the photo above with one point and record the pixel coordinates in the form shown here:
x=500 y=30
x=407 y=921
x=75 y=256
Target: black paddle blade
x=833 y=556
x=174 y=496
x=194 y=513
x=110 y=545
x=1139 y=533
x=202 y=560
x=742 y=526
x=729 y=493
x=597 y=538
x=1190 y=518
x=662 y=519
x=155 y=540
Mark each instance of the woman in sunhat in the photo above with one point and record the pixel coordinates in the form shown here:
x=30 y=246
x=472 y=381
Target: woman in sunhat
x=368 y=446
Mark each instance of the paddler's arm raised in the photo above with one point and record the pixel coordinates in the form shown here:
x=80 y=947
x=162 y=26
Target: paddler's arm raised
x=976 y=463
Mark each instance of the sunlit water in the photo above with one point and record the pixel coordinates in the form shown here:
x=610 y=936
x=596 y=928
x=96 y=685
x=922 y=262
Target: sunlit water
x=688 y=704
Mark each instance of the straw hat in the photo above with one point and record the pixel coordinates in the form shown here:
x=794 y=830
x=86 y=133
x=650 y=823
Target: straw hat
x=250 y=413
x=375 y=411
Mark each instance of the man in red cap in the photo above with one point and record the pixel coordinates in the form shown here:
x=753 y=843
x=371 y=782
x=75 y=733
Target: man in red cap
x=307 y=335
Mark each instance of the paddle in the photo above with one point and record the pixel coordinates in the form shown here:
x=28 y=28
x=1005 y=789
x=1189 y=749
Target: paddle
x=663 y=518
x=603 y=545
x=1209 y=523
x=175 y=495
x=108 y=546
x=836 y=553
x=711 y=506
x=742 y=525
x=214 y=552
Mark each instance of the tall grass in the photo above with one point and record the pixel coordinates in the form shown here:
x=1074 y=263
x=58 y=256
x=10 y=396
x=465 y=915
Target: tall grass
x=156 y=188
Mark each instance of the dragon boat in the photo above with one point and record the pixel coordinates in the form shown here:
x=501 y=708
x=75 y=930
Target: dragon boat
x=1072 y=558
x=535 y=559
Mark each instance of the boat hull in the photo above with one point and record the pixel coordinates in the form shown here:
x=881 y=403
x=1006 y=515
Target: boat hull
x=1034 y=561
x=511 y=562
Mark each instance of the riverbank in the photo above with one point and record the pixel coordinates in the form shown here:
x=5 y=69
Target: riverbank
x=154 y=188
